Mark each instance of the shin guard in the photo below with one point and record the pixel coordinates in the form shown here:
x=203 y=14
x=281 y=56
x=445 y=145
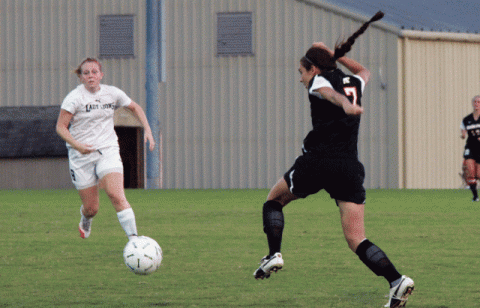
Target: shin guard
x=273 y=223
x=377 y=261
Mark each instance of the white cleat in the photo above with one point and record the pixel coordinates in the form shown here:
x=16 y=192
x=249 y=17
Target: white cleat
x=269 y=265
x=399 y=294
x=84 y=227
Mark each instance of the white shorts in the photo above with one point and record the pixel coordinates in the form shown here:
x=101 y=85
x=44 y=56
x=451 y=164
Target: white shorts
x=87 y=169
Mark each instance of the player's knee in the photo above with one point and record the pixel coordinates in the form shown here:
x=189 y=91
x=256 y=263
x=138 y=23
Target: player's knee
x=90 y=211
x=353 y=242
x=117 y=200
x=471 y=180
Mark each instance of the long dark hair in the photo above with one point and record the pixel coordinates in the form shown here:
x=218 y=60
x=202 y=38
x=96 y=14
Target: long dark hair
x=323 y=60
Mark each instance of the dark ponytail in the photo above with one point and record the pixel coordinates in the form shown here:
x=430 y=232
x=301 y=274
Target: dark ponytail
x=343 y=48
x=322 y=59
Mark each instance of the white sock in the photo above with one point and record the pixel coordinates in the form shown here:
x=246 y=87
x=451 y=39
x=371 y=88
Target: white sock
x=127 y=221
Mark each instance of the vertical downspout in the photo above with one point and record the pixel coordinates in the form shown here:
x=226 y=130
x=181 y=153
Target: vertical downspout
x=151 y=85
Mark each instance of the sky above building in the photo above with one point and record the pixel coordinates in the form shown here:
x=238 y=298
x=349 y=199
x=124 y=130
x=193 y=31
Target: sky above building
x=426 y=15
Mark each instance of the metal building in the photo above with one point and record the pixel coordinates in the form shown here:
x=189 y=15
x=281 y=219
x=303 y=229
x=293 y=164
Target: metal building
x=232 y=111
x=239 y=121
x=441 y=75
x=41 y=43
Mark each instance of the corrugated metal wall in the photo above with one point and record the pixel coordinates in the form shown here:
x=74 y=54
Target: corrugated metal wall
x=227 y=122
x=441 y=74
x=43 y=41
x=238 y=122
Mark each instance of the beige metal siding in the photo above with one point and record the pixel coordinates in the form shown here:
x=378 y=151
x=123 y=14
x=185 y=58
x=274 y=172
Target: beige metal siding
x=441 y=74
x=43 y=41
x=239 y=122
x=226 y=122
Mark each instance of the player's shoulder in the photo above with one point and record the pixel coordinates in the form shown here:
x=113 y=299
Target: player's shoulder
x=111 y=90
x=73 y=99
x=338 y=76
x=333 y=74
x=469 y=117
x=74 y=95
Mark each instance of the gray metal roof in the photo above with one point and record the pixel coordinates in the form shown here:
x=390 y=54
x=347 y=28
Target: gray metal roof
x=427 y=15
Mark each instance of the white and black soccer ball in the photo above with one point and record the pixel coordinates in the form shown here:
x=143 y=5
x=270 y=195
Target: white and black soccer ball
x=142 y=255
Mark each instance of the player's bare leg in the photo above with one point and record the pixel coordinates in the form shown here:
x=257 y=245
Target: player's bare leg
x=89 y=208
x=352 y=218
x=113 y=185
x=273 y=223
x=471 y=171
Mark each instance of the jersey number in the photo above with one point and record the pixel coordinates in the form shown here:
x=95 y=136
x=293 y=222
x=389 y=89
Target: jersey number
x=351 y=92
x=72 y=174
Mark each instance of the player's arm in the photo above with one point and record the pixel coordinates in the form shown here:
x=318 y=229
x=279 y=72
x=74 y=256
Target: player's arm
x=340 y=100
x=352 y=65
x=63 y=121
x=140 y=115
x=356 y=68
x=463 y=131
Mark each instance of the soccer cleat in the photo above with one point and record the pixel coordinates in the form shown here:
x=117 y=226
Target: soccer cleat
x=84 y=227
x=399 y=294
x=475 y=199
x=268 y=265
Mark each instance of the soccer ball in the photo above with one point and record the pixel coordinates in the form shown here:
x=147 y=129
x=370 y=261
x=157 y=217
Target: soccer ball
x=142 y=255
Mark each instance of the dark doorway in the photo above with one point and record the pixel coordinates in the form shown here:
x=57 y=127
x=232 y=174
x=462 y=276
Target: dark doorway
x=130 y=140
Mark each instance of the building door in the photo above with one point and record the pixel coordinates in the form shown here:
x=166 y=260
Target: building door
x=130 y=140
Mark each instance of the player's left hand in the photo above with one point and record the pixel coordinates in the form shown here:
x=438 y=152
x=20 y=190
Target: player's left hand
x=151 y=142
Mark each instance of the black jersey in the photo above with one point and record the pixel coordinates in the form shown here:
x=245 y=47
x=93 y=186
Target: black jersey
x=334 y=133
x=472 y=127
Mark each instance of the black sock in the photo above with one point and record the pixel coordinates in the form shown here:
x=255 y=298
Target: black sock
x=377 y=261
x=473 y=188
x=273 y=223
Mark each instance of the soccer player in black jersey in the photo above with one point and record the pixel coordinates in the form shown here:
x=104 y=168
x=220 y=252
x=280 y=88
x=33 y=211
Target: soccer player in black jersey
x=471 y=126
x=330 y=161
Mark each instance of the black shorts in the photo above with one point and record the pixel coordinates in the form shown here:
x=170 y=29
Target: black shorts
x=342 y=178
x=472 y=154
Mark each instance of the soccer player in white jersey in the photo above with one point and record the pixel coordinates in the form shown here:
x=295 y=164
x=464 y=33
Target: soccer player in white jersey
x=86 y=124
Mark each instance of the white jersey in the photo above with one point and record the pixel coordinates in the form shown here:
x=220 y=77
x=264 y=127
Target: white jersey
x=92 y=121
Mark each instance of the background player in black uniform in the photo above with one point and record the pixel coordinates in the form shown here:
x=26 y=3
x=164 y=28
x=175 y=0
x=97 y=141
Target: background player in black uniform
x=471 y=126
x=330 y=161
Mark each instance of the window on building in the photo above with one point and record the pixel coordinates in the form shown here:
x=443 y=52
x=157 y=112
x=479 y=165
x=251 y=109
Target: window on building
x=116 y=36
x=234 y=34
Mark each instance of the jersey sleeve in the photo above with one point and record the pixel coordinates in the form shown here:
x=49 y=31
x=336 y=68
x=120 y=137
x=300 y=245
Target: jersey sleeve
x=362 y=82
x=462 y=126
x=121 y=98
x=70 y=103
x=319 y=82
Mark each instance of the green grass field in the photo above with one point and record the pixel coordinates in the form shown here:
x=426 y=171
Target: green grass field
x=212 y=241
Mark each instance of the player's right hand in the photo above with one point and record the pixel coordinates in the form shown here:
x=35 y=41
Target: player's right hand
x=85 y=148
